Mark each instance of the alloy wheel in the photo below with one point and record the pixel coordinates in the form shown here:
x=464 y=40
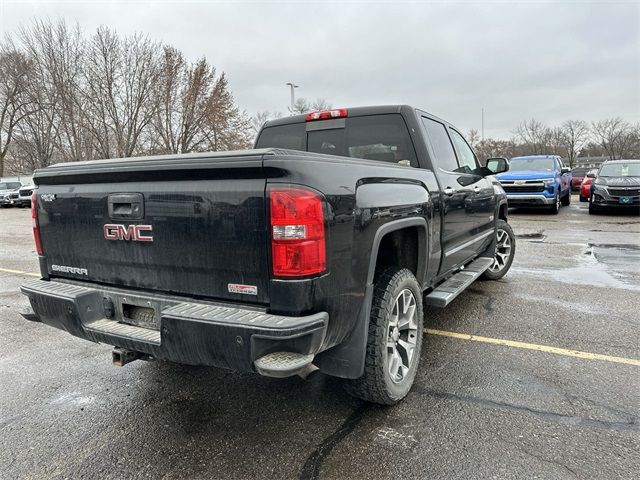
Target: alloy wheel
x=402 y=335
x=503 y=251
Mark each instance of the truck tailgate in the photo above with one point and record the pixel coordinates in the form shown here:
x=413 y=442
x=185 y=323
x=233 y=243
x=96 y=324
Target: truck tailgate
x=198 y=228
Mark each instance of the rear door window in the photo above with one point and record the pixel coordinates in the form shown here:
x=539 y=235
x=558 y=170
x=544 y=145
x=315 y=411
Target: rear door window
x=445 y=155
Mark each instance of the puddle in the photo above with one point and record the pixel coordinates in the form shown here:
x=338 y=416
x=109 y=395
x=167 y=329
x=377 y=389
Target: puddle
x=594 y=268
x=616 y=254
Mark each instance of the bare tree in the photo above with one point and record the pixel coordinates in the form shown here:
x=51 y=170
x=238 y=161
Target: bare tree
x=121 y=77
x=261 y=117
x=575 y=134
x=473 y=137
x=303 y=105
x=183 y=98
x=616 y=136
x=37 y=134
x=227 y=127
x=490 y=148
x=320 y=104
x=534 y=135
x=300 y=106
x=15 y=104
x=58 y=52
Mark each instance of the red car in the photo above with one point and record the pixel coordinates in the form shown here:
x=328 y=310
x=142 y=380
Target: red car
x=577 y=175
x=585 y=186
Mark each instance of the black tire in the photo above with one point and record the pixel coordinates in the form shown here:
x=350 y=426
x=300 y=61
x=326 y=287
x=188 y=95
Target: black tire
x=493 y=273
x=566 y=200
x=583 y=199
x=376 y=384
x=592 y=208
x=555 y=208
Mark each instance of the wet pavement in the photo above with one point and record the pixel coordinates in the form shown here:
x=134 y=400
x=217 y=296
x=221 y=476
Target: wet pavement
x=477 y=410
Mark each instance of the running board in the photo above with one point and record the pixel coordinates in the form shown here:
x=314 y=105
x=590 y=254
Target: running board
x=444 y=294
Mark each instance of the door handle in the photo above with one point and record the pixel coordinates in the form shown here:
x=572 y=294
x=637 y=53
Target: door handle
x=449 y=191
x=126 y=206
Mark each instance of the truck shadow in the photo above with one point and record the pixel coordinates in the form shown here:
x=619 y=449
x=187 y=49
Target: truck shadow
x=244 y=425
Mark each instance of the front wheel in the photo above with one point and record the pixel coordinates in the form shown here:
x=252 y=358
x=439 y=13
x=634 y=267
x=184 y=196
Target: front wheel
x=394 y=340
x=566 y=200
x=555 y=208
x=505 y=252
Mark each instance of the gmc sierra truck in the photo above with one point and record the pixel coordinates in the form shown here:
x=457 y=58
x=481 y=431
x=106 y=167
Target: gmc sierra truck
x=315 y=250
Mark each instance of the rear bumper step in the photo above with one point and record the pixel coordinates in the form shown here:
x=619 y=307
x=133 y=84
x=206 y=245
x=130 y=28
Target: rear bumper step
x=191 y=332
x=445 y=293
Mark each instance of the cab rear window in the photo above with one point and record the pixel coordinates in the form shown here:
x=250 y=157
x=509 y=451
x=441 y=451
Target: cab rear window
x=375 y=137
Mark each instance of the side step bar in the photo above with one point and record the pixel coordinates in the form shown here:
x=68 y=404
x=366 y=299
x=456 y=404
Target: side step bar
x=444 y=294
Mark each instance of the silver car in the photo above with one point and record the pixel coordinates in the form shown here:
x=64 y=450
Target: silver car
x=6 y=189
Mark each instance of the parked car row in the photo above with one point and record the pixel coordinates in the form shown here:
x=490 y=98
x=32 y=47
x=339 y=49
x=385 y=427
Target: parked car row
x=544 y=181
x=15 y=194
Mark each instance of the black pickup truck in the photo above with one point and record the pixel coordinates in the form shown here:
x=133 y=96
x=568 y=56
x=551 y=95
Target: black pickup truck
x=316 y=250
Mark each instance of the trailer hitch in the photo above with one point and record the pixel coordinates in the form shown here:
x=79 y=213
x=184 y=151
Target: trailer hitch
x=121 y=356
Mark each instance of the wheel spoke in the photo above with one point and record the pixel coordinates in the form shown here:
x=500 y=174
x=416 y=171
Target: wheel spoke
x=408 y=349
x=394 y=364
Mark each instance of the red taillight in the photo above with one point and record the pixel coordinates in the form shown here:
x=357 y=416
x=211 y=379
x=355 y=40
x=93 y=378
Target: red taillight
x=36 y=226
x=327 y=114
x=297 y=232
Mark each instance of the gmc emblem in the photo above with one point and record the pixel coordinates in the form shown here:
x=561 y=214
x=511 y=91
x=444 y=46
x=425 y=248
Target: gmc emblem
x=136 y=233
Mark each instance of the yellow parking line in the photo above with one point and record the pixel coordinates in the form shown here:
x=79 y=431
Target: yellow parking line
x=533 y=346
x=19 y=272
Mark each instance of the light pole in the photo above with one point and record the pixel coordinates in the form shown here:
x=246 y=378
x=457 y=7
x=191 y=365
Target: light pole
x=293 y=94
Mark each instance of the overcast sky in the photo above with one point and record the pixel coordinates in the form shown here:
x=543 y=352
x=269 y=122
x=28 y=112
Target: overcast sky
x=545 y=60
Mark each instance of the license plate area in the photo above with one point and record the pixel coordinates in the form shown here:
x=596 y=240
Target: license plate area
x=144 y=316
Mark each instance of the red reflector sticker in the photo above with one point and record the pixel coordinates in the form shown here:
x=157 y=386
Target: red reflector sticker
x=242 y=289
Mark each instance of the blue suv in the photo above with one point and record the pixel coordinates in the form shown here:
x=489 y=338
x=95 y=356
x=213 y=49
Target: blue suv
x=537 y=181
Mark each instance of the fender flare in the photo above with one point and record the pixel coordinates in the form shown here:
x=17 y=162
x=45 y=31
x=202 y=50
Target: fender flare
x=393 y=226
x=347 y=359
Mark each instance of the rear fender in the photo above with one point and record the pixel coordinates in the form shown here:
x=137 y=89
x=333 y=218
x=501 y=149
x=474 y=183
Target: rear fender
x=346 y=360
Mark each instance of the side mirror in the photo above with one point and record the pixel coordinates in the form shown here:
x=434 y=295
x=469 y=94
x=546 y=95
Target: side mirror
x=591 y=175
x=564 y=170
x=498 y=165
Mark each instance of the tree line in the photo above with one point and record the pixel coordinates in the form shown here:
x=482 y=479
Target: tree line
x=612 y=138
x=66 y=96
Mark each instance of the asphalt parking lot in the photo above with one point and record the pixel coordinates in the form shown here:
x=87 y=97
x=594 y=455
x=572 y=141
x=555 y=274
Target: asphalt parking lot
x=480 y=407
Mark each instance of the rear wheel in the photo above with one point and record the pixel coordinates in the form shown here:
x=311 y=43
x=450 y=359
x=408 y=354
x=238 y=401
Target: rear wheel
x=566 y=200
x=394 y=340
x=505 y=251
x=584 y=199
